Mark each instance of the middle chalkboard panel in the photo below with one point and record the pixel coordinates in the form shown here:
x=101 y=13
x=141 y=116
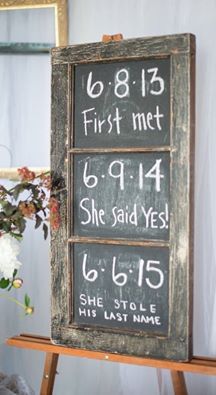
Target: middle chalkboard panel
x=124 y=195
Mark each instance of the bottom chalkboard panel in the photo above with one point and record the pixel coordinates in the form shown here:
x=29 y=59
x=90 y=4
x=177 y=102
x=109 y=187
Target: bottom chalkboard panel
x=123 y=287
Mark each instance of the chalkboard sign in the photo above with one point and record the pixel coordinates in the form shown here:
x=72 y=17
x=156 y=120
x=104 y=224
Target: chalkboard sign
x=122 y=195
x=122 y=104
x=122 y=151
x=121 y=286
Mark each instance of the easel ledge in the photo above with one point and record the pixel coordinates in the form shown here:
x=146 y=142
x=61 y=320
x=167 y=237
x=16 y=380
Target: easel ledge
x=201 y=365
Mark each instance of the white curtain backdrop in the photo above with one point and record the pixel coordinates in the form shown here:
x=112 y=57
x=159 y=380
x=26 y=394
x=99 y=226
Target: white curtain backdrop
x=24 y=133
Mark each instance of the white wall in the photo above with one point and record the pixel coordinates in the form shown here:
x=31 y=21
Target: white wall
x=88 y=21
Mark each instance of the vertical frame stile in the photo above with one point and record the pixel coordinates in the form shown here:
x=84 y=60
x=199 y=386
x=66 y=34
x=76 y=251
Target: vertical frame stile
x=192 y=178
x=181 y=225
x=61 y=17
x=171 y=166
x=71 y=189
x=59 y=272
x=70 y=192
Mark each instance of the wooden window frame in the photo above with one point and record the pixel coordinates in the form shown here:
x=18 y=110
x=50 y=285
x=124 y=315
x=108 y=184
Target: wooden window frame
x=60 y=7
x=61 y=39
x=181 y=51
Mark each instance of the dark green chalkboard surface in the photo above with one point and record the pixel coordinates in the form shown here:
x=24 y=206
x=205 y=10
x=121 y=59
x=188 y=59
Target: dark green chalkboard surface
x=122 y=195
x=122 y=104
x=122 y=152
x=122 y=287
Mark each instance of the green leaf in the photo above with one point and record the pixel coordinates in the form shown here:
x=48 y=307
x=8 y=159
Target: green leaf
x=16 y=215
x=15 y=273
x=8 y=208
x=38 y=221
x=33 y=188
x=4 y=283
x=17 y=236
x=2 y=215
x=3 y=202
x=19 y=188
x=6 y=226
x=38 y=205
x=21 y=224
x=44 y=212
x=45 y=230
x=35 y=192
x=2 y=188
x=27 y=300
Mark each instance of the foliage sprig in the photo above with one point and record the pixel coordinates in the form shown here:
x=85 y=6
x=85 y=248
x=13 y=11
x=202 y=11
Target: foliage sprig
x=29 y=199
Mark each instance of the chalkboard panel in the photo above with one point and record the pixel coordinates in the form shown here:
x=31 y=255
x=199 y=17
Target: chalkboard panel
x=123 y=195
x=122 y=103
x=121 y=287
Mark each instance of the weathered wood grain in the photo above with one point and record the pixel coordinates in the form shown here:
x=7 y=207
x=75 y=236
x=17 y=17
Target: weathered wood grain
x=97 y=240
x=198 y=364
x=179 y=384
x=119 y=149
x=59 y=258
x=134 y=48
x=48 y=378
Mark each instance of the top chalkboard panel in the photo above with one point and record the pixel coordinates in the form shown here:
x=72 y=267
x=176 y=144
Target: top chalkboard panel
x=122 y=104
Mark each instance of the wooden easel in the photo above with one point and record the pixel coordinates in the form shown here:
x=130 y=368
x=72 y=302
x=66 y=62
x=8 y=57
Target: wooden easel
x=201 y=365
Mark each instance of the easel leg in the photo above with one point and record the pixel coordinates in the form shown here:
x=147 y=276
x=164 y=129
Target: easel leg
x=49 y=373
x=179 y=384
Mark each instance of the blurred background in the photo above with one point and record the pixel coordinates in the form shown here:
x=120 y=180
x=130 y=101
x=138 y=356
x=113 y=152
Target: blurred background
x=25 y=141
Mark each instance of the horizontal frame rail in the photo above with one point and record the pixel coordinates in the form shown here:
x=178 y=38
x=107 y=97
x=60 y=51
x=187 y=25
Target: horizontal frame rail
x=198 y=364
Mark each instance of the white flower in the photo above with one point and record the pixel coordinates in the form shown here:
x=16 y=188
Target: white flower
x=9 y=249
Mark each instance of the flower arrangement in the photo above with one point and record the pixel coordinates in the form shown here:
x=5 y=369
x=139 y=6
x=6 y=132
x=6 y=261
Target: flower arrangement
x=28 y=200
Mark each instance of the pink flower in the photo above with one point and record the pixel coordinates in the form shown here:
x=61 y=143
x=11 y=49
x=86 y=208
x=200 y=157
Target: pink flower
x=26 y=174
